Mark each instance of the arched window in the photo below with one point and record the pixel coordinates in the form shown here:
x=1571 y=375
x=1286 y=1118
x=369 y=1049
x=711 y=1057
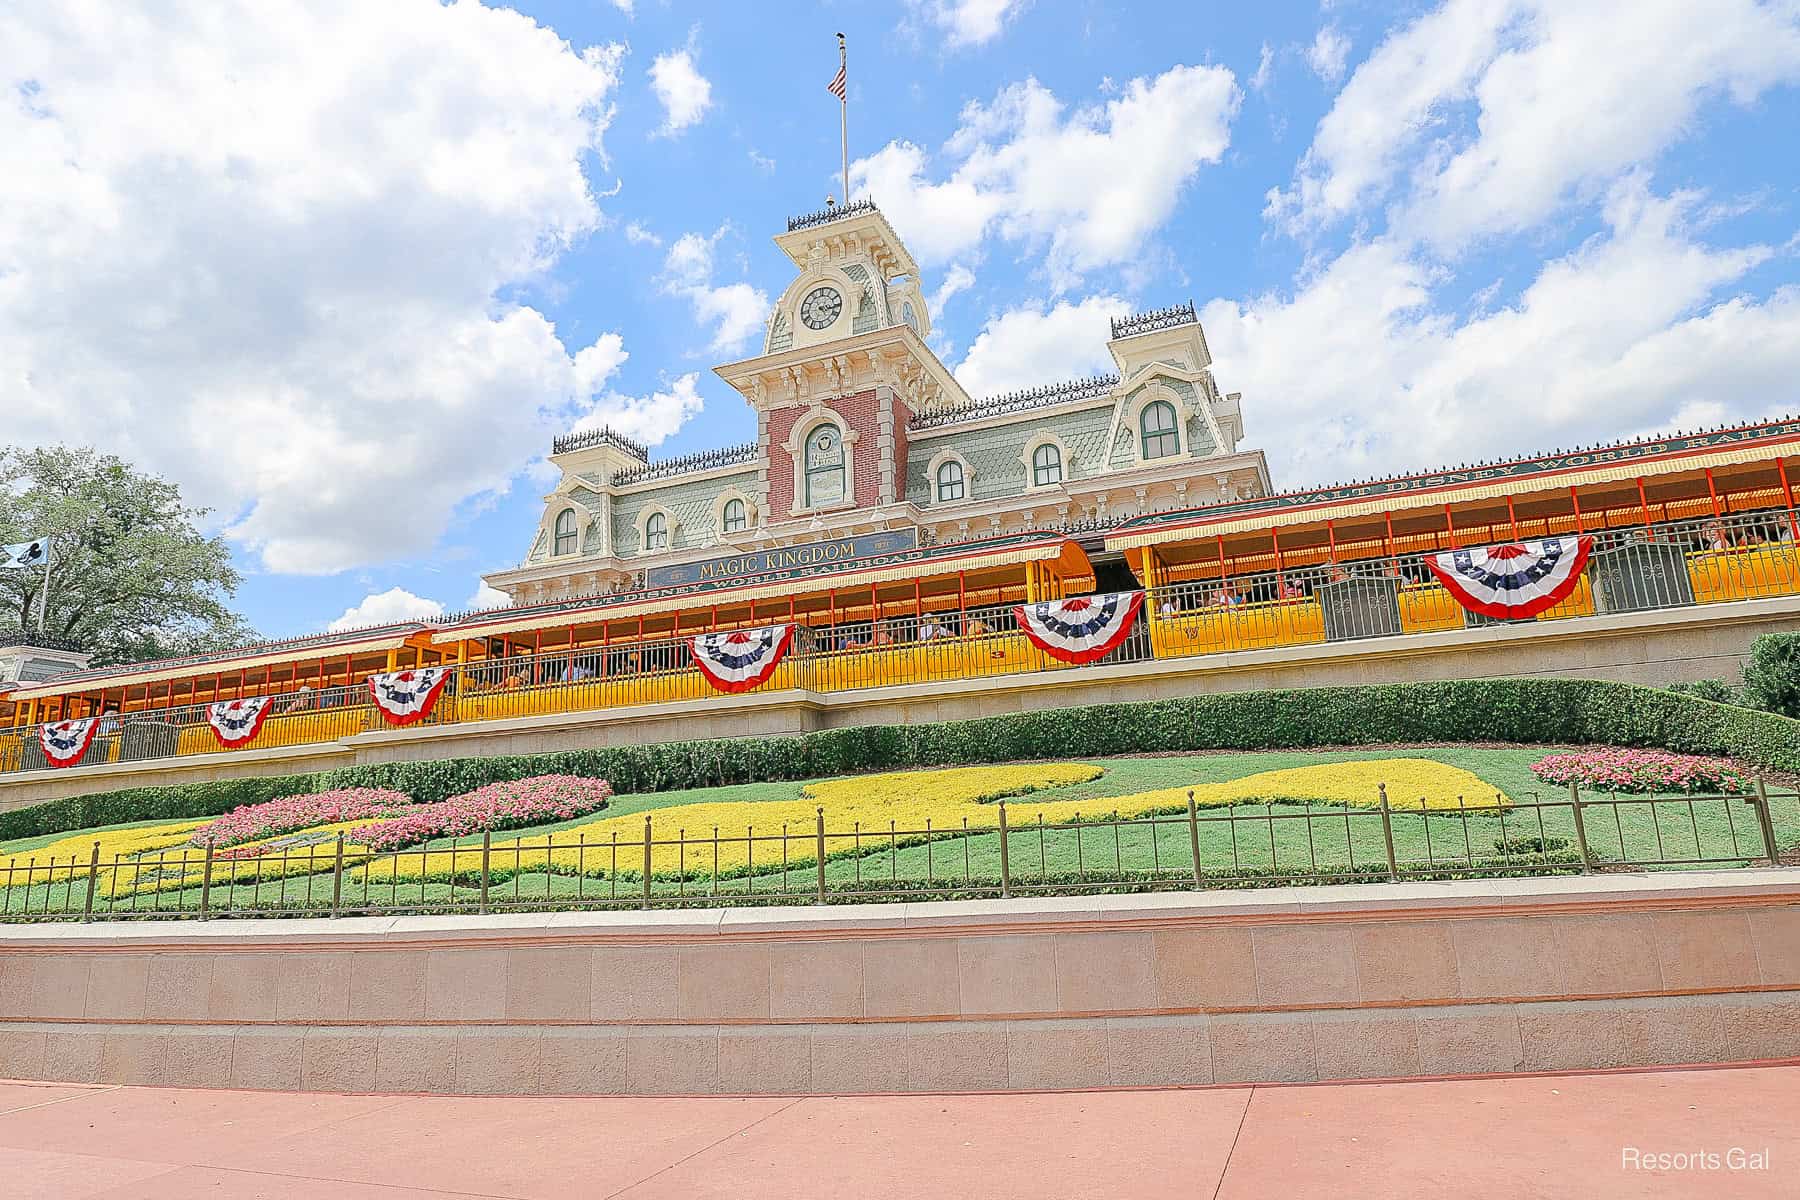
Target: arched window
x=1046 y=465
x=566 y=536
x=656 y=532
x=950 y=481
x=824 y=467
x=1158 y=423
x=736 y=516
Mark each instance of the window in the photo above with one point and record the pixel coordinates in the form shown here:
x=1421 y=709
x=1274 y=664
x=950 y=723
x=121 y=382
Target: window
x=824 y=467
x=1046 y=465
x=736 y=516
x=656 y=532
x=565 y=531
x=1158 y=423
x=950 y=481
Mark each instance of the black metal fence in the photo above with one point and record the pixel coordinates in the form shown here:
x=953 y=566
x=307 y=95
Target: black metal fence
x=1015 y=853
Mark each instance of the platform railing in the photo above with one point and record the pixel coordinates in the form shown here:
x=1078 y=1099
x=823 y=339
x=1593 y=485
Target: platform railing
x=664 y=860
x=1669 y=565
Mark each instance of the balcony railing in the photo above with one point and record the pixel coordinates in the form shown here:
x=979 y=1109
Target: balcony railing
x=1666 y=566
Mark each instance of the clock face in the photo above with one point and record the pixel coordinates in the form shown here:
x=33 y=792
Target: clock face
x=821 y=307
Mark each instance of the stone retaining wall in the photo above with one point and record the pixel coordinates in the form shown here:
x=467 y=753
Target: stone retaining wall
x=1184 y=988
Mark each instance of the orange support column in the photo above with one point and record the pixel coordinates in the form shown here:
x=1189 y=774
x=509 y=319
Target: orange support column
x=1788 y=491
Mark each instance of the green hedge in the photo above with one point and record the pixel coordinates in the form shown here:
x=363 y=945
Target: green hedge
x=1572 y=711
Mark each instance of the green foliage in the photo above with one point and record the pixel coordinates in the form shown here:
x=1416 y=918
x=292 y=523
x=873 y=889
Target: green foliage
x=132 y=577
x=1716 y=690
x=1772 y=676
x=1541 y=711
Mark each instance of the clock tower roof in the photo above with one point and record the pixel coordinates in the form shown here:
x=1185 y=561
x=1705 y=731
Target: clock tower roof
x=841 y=231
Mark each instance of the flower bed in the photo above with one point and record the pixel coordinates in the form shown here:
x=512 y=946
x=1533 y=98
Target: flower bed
x=255 y=821
x=908 y=803
x=506 y=805
x=1613 y=770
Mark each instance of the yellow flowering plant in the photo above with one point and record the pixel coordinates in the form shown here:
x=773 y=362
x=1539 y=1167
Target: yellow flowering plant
x=68 y=857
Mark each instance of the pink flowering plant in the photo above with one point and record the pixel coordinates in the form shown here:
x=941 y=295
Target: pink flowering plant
x=1614 y=770
x=272 y=817
x=512 y=804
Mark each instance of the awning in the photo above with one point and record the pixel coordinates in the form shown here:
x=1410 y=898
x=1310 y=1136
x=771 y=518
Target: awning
x=1369 y=500
x=929 y=561
x=227 y=663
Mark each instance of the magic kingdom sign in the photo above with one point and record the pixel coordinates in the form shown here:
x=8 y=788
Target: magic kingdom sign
x=754 y=564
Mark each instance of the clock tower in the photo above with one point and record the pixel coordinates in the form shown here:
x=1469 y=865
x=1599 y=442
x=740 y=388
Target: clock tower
x=844 y=368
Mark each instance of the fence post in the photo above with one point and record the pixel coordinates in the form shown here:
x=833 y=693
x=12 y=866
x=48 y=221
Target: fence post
x=337 y=877
x=1581 y=842
x=1387 y=834
x=487 y=846
x=646 y=860
x=206 y=880
x=1761 y=804
x=821 y=854
x=1193 y=835
x=87 y=907
x=1005 y=869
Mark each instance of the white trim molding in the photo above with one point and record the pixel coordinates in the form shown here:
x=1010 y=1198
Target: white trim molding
x=931 y=477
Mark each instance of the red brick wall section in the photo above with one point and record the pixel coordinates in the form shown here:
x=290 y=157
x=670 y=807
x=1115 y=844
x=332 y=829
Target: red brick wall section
x=861 y=413
x=902 y=414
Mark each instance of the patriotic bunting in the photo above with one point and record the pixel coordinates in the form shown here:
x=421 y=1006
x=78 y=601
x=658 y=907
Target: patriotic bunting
x=1516 y=580
x=235 y=722
x=64 y=742
x=405 y=697
x=742 y=659
x=1081 y=628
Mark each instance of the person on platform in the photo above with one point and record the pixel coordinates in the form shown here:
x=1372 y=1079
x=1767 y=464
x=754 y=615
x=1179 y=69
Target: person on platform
x=929 y=629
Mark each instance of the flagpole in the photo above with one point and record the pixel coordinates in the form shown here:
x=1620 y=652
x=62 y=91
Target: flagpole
x=844 y=112
x=44 y=600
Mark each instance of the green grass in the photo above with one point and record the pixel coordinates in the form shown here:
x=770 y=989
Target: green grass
x=1274 y=841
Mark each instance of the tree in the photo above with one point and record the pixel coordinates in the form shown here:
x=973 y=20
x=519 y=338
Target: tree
x=132 y=577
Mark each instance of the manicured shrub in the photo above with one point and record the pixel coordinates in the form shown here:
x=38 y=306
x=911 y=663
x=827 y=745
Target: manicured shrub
x=1543 y=711
x=1716 y=690
x=1772 y=676
x=288 y=813
x=507 y=805
x=1642 y=771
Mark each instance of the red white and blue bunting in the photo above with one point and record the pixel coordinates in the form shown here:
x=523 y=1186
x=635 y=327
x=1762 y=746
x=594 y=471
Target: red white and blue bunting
x=1515 y=580
x=743 y=658
x=64 y=742
x=1081 y=628
x=405 y=697
x=236 y=722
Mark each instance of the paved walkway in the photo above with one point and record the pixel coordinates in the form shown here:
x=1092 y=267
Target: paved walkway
x=1514 y=1138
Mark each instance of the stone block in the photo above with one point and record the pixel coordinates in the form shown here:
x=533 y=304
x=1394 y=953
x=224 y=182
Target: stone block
x=815 y=979
x=1159 y=1051
x=1262 y=1048
x=1205 y=968
x=1007 y=974
x=911 y=977
x=634 y=983
x=1057 y=1054
x=724 y=982
x=753 y=1061
x=1105 y=972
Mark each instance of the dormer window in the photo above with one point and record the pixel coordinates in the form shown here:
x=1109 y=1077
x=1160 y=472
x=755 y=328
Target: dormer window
x=824 y=467
x=567 y=537
x=737 y=516
x=1046 y=465
x=1159 y=429
x=656 y=532
x=950 y=484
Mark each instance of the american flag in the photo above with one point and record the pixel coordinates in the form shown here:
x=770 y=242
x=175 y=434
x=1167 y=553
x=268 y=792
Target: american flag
x=837 y=84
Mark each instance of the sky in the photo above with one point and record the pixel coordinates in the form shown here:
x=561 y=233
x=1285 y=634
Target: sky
x=342 y=270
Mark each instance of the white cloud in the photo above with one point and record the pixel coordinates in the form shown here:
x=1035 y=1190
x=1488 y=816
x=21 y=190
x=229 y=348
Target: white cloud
x=957 y=279
x=1328 y=54
x=761 y=162
x=966 y=23
x=684 y=93
x=386 y=608
x=637 y=235
x=628 y=7
x=1502 y=110
x=259 y=250
x=1088 y=186
x=1624 y=333
x=650 y=419
x=736 y=311
x=1265 y=69
x=1042 y=344
x=486 y=597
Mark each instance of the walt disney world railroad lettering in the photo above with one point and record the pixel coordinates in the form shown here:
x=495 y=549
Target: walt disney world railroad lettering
x=786 y=558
